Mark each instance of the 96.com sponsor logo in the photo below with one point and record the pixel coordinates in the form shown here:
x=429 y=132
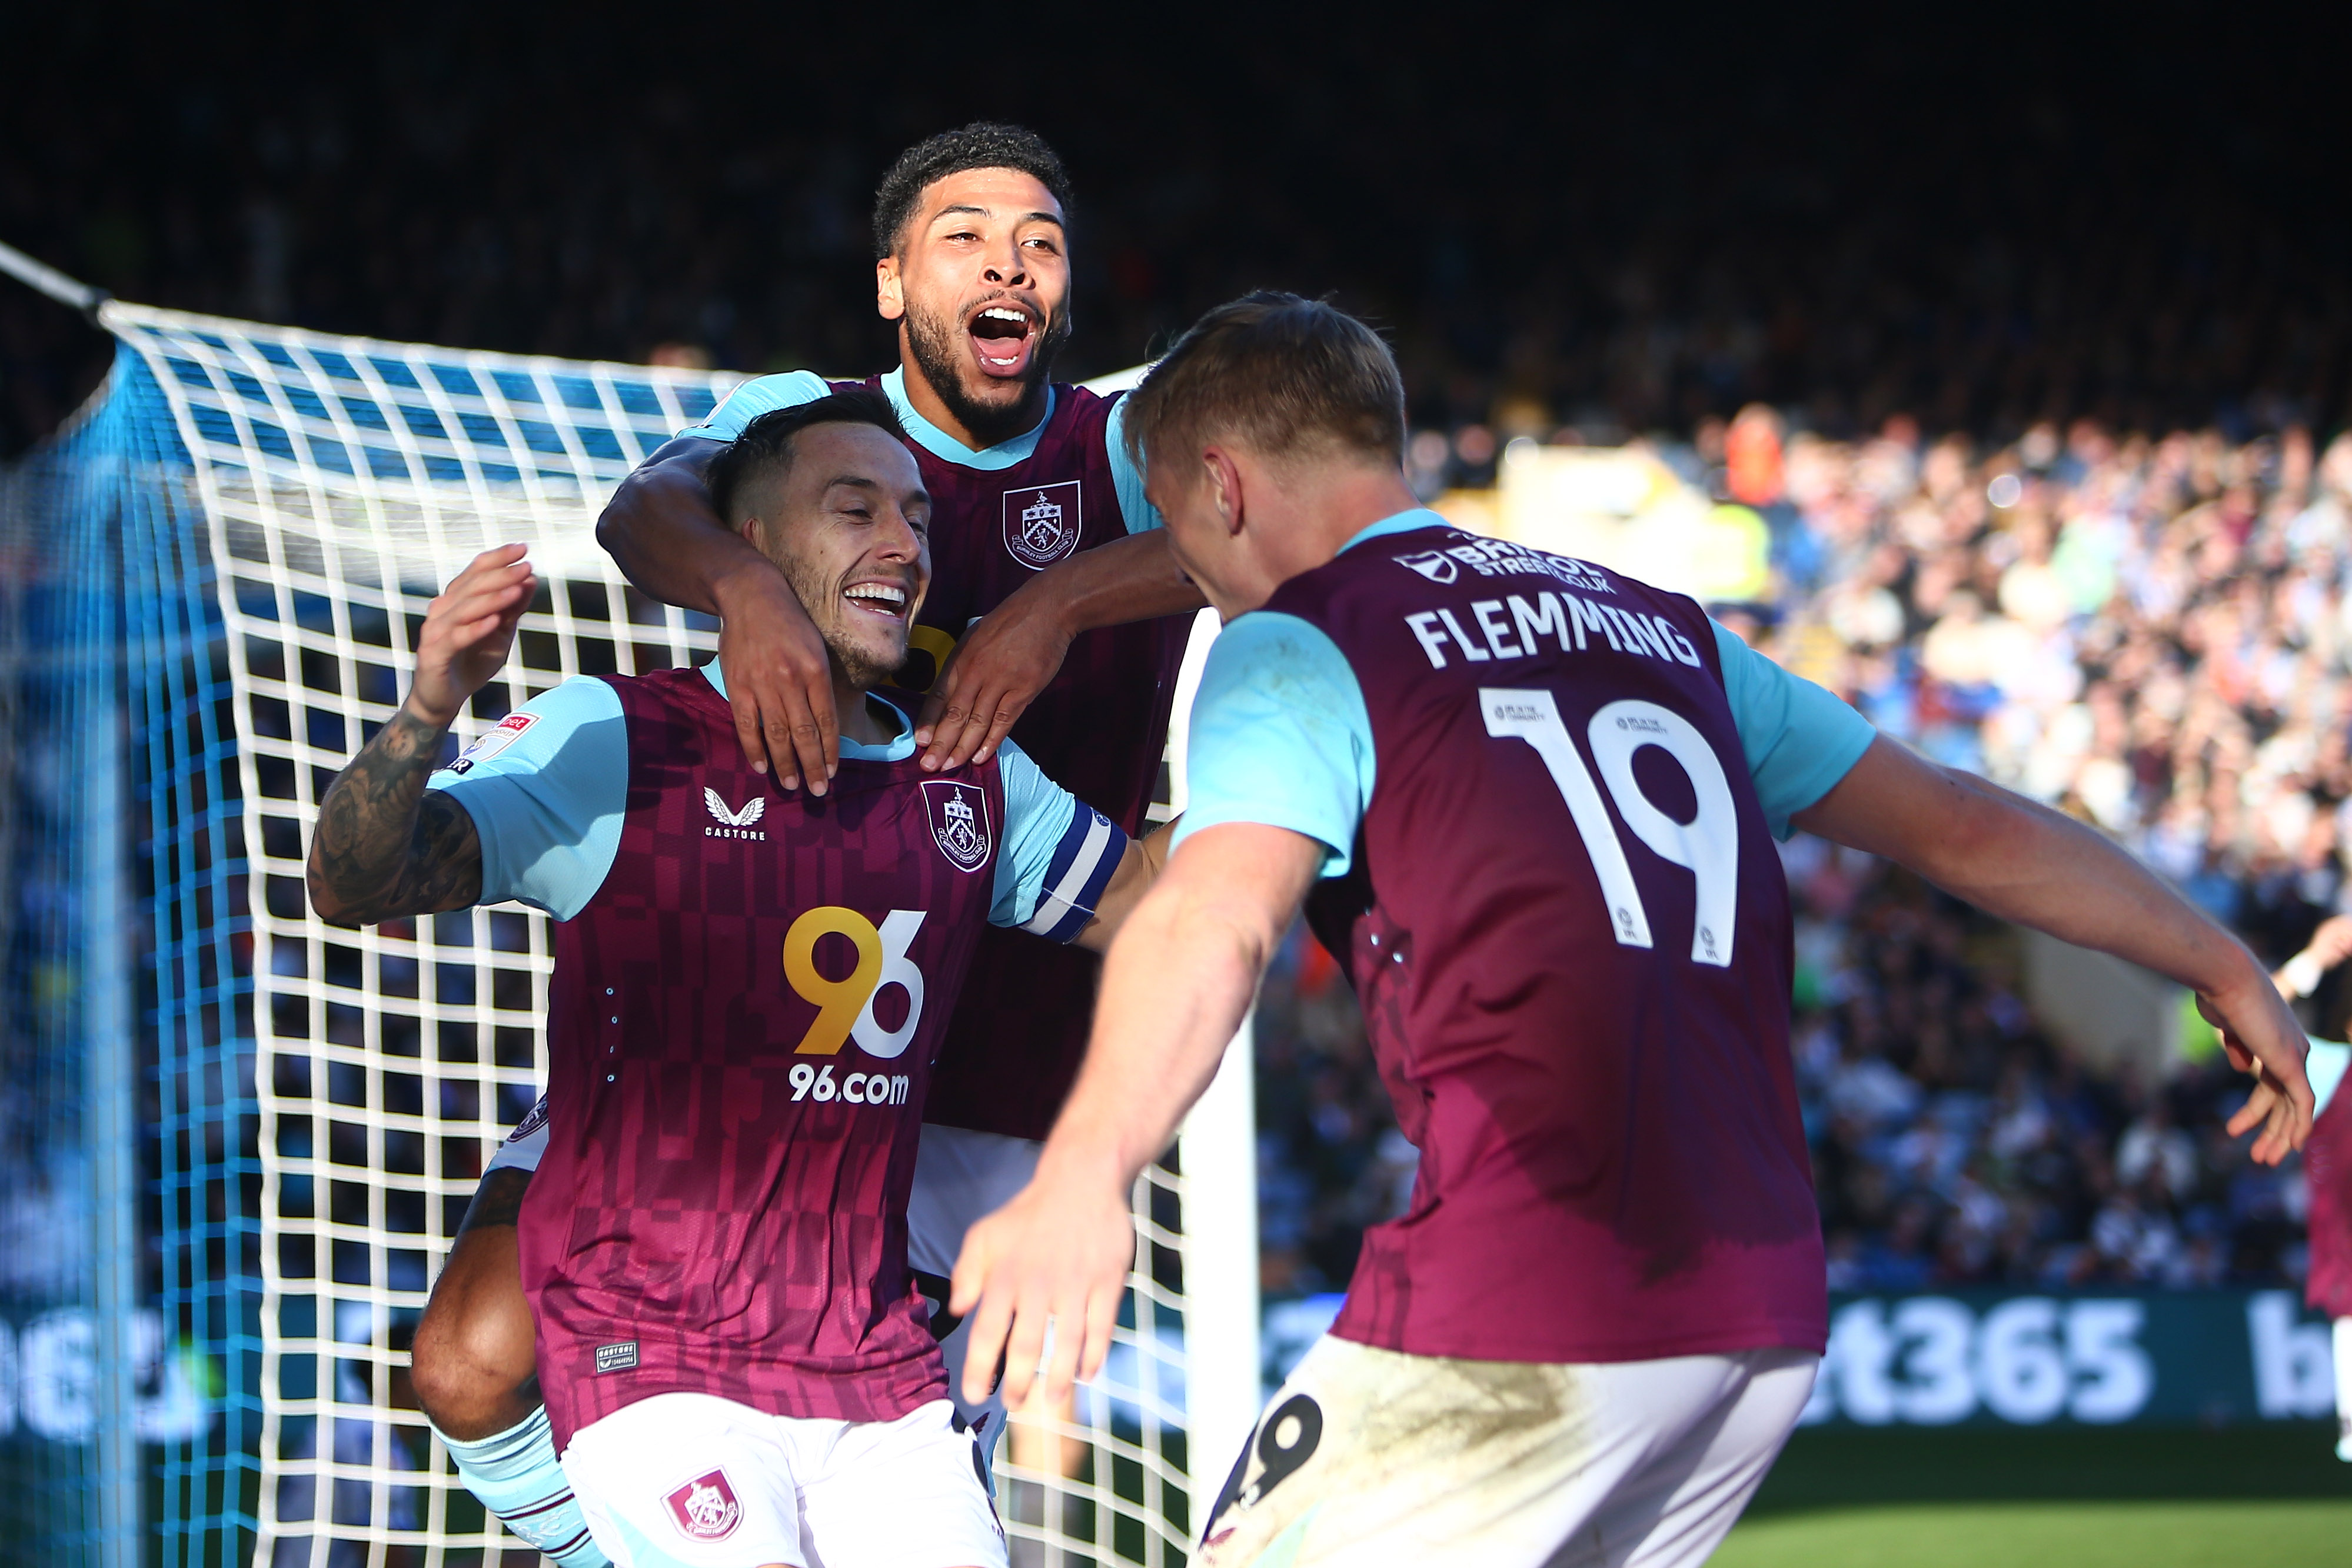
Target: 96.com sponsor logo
x=819 y=1084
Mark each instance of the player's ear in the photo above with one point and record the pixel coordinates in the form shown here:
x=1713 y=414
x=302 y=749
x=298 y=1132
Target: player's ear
x=890 y=291
x=1223 y=477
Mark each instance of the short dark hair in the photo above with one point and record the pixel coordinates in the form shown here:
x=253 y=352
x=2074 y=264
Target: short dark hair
x=1279 y=373
x=765 y=447
x=983 y=144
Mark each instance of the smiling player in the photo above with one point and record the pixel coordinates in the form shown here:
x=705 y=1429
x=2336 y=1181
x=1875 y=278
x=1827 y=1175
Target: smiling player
x=750 y=988
x=1054 y=603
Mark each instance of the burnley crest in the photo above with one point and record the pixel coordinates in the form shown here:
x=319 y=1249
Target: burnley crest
x=958 y=814
x=705 y=1509
x=1042 y=523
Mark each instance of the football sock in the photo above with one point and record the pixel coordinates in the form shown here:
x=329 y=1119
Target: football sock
x=518 y=1477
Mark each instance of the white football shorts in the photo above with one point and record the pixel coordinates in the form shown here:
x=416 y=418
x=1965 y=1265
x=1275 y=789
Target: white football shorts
x=960 y=1175
x=1371 y=1458
x=690 y=1480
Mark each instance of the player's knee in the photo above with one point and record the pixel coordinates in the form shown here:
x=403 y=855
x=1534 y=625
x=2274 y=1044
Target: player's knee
x=470 y=1377
x=474 y=1364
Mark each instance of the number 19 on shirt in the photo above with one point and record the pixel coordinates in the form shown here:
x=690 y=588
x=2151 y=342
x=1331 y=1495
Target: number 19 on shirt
x=1707 y=846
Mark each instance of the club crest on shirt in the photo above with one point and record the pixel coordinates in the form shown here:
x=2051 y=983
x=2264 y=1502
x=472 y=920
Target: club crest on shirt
x=958 y=814
x=705 y=1509
x=1042 y=523
x=492 y=741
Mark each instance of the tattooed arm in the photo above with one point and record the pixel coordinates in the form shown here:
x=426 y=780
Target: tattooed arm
x=385 y=847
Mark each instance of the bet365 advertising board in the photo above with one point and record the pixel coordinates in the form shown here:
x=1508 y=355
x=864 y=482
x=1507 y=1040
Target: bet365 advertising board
x=2099 y=1358
x=2001 y=1357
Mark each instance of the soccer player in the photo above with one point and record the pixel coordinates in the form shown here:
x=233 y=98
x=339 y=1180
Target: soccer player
x=750 y=988
x=1531 y=803
x=2328 y=1166
x=1057 y=603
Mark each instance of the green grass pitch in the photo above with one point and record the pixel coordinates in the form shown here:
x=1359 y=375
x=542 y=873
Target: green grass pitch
x=2071 y=1497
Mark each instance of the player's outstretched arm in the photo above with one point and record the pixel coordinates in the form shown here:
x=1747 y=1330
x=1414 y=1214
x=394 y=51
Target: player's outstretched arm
x=1138 y=869
x=385 y=847
x=2024 y=863
x=661 y=529
x=1180 y=977
x=1001 y=666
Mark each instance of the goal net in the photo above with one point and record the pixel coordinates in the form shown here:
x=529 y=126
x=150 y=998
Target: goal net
x=275 y=509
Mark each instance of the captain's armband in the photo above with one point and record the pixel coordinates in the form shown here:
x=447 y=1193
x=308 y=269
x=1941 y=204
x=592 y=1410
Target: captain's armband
x=1082 y=865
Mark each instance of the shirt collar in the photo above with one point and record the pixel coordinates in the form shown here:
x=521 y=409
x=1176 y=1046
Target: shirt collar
x=946 y=447
x=897 y=750
x=1402 y=523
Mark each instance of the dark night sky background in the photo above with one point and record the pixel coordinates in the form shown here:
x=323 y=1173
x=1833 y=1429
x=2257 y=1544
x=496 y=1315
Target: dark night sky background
x=1621 y=217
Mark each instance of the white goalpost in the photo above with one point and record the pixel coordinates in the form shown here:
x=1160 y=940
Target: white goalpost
x=320 y=490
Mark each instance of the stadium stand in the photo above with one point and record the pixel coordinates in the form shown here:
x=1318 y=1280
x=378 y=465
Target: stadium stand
x=1964 y=222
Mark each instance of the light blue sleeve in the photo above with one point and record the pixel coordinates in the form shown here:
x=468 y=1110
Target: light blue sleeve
x=1126 y=478
x=1058 y=854
x=1799 y=739
x=547 y=789
x=760 y=394
x=1280 y=736
x=2325 y=1067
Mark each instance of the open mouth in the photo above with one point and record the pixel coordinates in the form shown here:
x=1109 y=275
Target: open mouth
x=1003 y=337
x=886 y=600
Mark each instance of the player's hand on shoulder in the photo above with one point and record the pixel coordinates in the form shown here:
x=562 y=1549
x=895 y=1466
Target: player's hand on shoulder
x=1059 y=1253
x=994 y=674
x=468 y=632
x=779 y=680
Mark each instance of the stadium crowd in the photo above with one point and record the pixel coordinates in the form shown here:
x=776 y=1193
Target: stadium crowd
x=2152 y=634
x=1948 y=222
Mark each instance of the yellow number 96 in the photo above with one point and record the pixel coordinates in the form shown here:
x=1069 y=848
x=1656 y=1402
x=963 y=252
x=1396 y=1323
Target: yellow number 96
x=846 y=1006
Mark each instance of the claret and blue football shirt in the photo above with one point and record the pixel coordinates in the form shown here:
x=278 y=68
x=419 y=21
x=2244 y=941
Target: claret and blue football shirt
x=1280 y=734
x=1574 y=973
x=765 y=394
x=1001 y=514
x=548 y=787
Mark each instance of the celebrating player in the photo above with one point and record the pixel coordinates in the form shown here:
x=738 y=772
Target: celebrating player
x=750 y=988
x=1051 y=606
x=1532 y=802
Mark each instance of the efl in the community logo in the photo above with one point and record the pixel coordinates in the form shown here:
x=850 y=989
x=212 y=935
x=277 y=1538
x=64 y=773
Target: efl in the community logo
x=1042 y=523
x=705 y=1509
x=733 y=823
x=958 y=814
